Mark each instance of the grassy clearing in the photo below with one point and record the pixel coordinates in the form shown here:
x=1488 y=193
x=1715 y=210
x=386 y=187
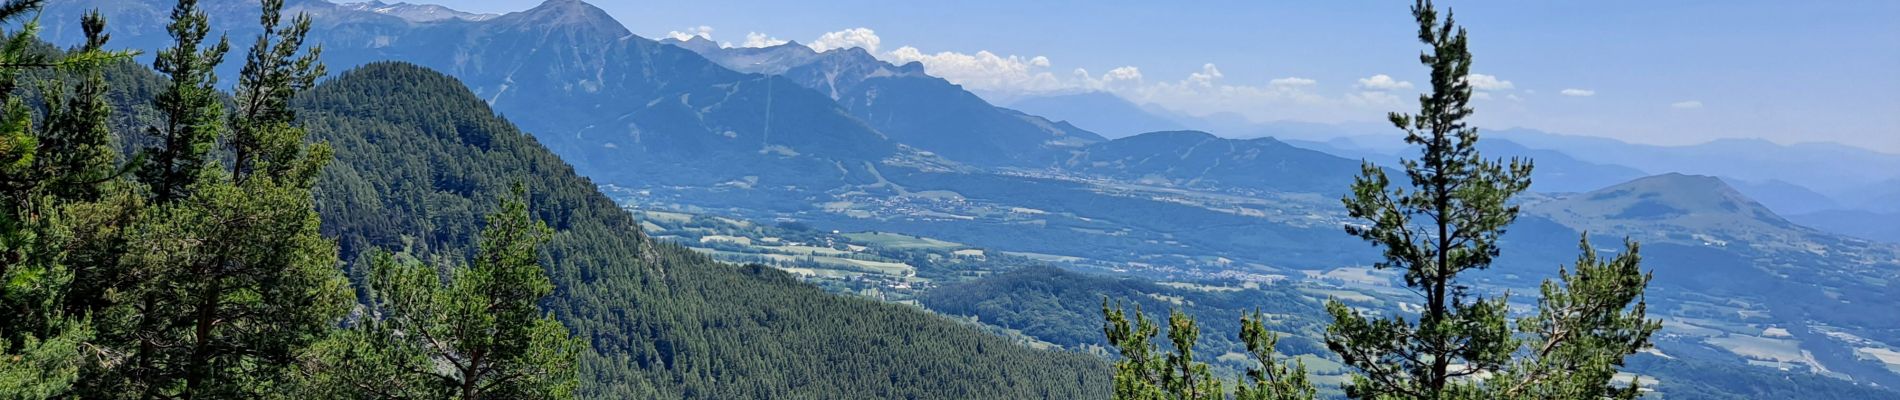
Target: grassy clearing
x=1343 y=295
x=898 y=241
x=1760 y=348
x=1200 y=287
x=668 y=217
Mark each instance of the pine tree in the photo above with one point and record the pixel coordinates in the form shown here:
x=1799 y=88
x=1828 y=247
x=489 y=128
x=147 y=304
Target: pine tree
x=1145 y=373
x=1448 y=221
x=1585 y=324
x=262 y=138
x=478 y=334
x=1272 y=379
x=49 y=173
x=233 y=278
x=190 y=106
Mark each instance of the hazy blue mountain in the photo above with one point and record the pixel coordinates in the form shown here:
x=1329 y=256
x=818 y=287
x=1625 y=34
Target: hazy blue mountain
x=1697 y=204
x=907 y=104
x=1868 y=225
x=1836 y=170
x=1200 y=159
x=1879 y=197
x=1783 y=197
x=1101 y=112
x=1556 y=171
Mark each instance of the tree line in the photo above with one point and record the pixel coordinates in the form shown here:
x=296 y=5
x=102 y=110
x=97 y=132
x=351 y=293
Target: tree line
x=1444 y=221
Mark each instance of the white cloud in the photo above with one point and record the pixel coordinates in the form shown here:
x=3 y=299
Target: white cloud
x=1383 y=82
x=1686 y=104
x=700 y=31
x=1291 y=81
x=1488 y=82
x=1206 y=91
x=1200 y=92
x=989 y=71
x=1120 y=78
x=755 y=39
x=1125 y=73
x=1578 y=92
x=845 y=39
x=1209 y=73
x=1372 y=98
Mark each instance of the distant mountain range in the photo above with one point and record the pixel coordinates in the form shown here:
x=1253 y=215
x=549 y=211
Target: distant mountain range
x=1791 y=179
x=907 y=104
x=416 y=12
x=1102 y=112
x=1200 y=159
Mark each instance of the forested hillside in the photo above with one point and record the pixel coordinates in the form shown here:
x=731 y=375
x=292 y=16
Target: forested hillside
x=419 y=158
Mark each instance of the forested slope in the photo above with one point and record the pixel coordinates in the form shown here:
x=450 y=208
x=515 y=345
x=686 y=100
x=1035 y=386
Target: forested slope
x=419 y=158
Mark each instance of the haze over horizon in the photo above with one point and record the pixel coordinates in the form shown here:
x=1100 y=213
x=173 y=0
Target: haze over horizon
x=1667 y=73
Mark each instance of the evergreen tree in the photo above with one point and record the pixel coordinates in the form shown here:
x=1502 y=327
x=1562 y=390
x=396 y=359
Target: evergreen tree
x=262 y=138
x=478 y=334
x=1447 y=222
x=190 y=106
x=233 y=279
x=1584 y=326
x=49 y=174
x=1272 y=380
x=1145 y=373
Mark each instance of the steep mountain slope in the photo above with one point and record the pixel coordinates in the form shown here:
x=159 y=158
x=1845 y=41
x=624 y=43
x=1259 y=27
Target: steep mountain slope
x=419 y=158
x=1199 y=159
x=904 y=102
x=1101 y=112
x=621 y=108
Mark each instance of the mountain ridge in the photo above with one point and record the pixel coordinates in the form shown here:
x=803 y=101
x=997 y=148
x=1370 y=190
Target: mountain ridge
x=907 y=103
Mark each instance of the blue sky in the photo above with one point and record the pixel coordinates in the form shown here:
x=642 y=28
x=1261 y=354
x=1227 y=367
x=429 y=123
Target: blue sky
x=1669 y=72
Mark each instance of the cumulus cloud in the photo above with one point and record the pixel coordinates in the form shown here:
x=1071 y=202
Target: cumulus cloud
x=985 y=70
x=1290 y=82
x=1383 y=82
x=1372 y=98
x=1126 y=73
x=755 y=39
x=1488 y=82
x=700 y=31
x=1686 y=104
x=1205 y=91
x=1578 y=92
x=845 y=39
x=1118 y=78
x=1209 y=73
